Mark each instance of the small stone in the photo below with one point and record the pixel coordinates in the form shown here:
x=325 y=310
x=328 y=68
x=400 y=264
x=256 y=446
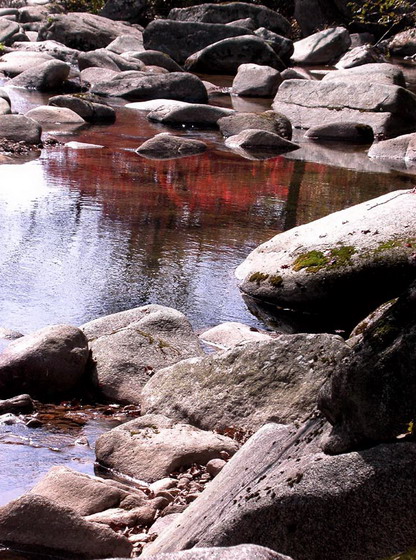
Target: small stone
x=215 y=466
x=163 y=484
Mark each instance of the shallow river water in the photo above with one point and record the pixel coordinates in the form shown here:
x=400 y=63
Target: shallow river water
x=89 y=232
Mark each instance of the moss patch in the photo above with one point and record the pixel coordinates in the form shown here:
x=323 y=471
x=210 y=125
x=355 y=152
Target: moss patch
x=275 y=280
x=258 y=277
x=395 y=243
x=316 y=260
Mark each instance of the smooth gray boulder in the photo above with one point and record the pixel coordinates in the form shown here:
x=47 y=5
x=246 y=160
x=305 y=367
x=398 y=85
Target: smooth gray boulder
x=229 y=334
x=365 y=54
x=86 y=106
x=124 y=43
x=403 y=43
x=282 y=46
x=181 y=39
x=254 y=80
x=84 y=31
x=248 y=385
x=128 y=347
x=52 y=48
x=233 y=11
x=14 y=63
x=370 y=397
x=47 y=115
x=345 y=264
x=152 y=447
x=402 y=148
x=190 y=114
x=390 y=110
x=256 y=139
x=323 y=47
x=139 y=85
x=269 y=120
x=104 y=58
x=18 y=128
x=224 y=57
x=35 y=523
x=47 y=363
x=7 y=30
x=281 y=492
x=240 y=552
x=354 y=133
x=155 y=58
x=85 y=494
x=48 y=76
x=168 y=146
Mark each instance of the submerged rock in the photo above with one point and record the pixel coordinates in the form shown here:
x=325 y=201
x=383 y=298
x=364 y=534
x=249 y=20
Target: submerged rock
x=166 y=146
x=269 y=121
x=254 y=139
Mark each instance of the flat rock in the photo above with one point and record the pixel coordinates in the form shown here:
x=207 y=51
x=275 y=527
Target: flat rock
x=354 y=133
x=128 y=347
x=36 y=523
x=46 y=363
x=181 y=39
x=229 y=387
x=46 y=115
x=229 y=334
x=224 y=57
x=254 y=80
x=380 y=73
x=167 y=146
x=152 y=447
x=240 y=552
x=323 y=47
x=269 y=121
x=139 y=85
x=331 y=265
x=402 y=148
x=47 y=76
x=190 y=114
x=18 y=128
x=255 y=139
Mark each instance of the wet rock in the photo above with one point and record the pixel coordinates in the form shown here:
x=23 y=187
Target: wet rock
x=82 y=493
x=229 y=334
x=83 y=31
x=138 y=85
x=365 y=54
x=323 y=47
x=233 y=11
x=282 y=46
x=46 y=363
x=152 y=447
x=269 y=120
x=14 y=63
x=7 y=30
x=47 y=76
x=34 y=522
x=254 y=80
x=124 y=10
x=260 y=139
x=22 y=404
x=402 y=147
x=380 y=73
x=229 y=387
x=125 y=43
x=181 y=39
x=403 y=43
x=240 y=552
x=224 y=57
x=156 y=58
x=330 y=265
x=86 y=107
x=18 y=128
x=46 y=115
x=166 y=146
x=104 y=58
x=279 y=490
x=354 y=133
x=370 y=397
x=128 y=347
x=52 y=48
x=189 y=114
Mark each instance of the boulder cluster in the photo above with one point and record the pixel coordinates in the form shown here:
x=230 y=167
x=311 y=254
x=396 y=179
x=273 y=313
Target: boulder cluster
x=275 y=446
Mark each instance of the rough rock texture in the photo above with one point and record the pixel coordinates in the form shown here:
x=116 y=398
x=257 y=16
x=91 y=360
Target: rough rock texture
x=152 y=447
x=128 y=347
x=365 y=54
x=46 y=363
x=180 y=40
x=229 y=334
x=84 y=31
x=322 y=48
x=269 y=120
x=46 y=114
x=190 y=114
x=370 y=397
x=253 y=138
x=47 y=76
x=36 y=523
x=256 y=81
x=233 y=11
x=18 y=128
x=224 y=57
x=247 y=385
x=22 y=404
x=388 y=109
x=380 y=73
x=279 y=491
x=86 y=107
x=342 y=132
x=402 y=147
x=138 y=85
x=334 y=265
x=52 y=48
x=404 y=43
x=83 y=493
x=240 y=552
x=167 y=146
x=282 y=46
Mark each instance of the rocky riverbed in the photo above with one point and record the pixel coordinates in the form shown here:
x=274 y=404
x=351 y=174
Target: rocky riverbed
x=293 y=440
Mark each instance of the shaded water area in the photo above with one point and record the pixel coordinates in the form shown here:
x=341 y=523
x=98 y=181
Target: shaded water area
x=89 y=232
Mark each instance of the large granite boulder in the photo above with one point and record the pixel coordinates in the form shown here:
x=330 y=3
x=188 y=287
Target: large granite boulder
x=269 y=120
x=254 y=80
x=248 y=385
x=152 y=447
x=128 y=347
x=240 y=552
x=18 y=128
x=181 y=39
x=35 y=523
x=370 y=397
x=47 y=363
x=233 y=11
x=323 y=47
x=168 y=146
x=84 y=31
x=48 y=76
x=281 y=492
x=140 y=85
x=344 y=265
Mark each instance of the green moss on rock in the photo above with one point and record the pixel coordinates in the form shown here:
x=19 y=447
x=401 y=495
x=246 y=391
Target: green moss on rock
x=275 y=280
x=316 y=260
x=258 y=277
